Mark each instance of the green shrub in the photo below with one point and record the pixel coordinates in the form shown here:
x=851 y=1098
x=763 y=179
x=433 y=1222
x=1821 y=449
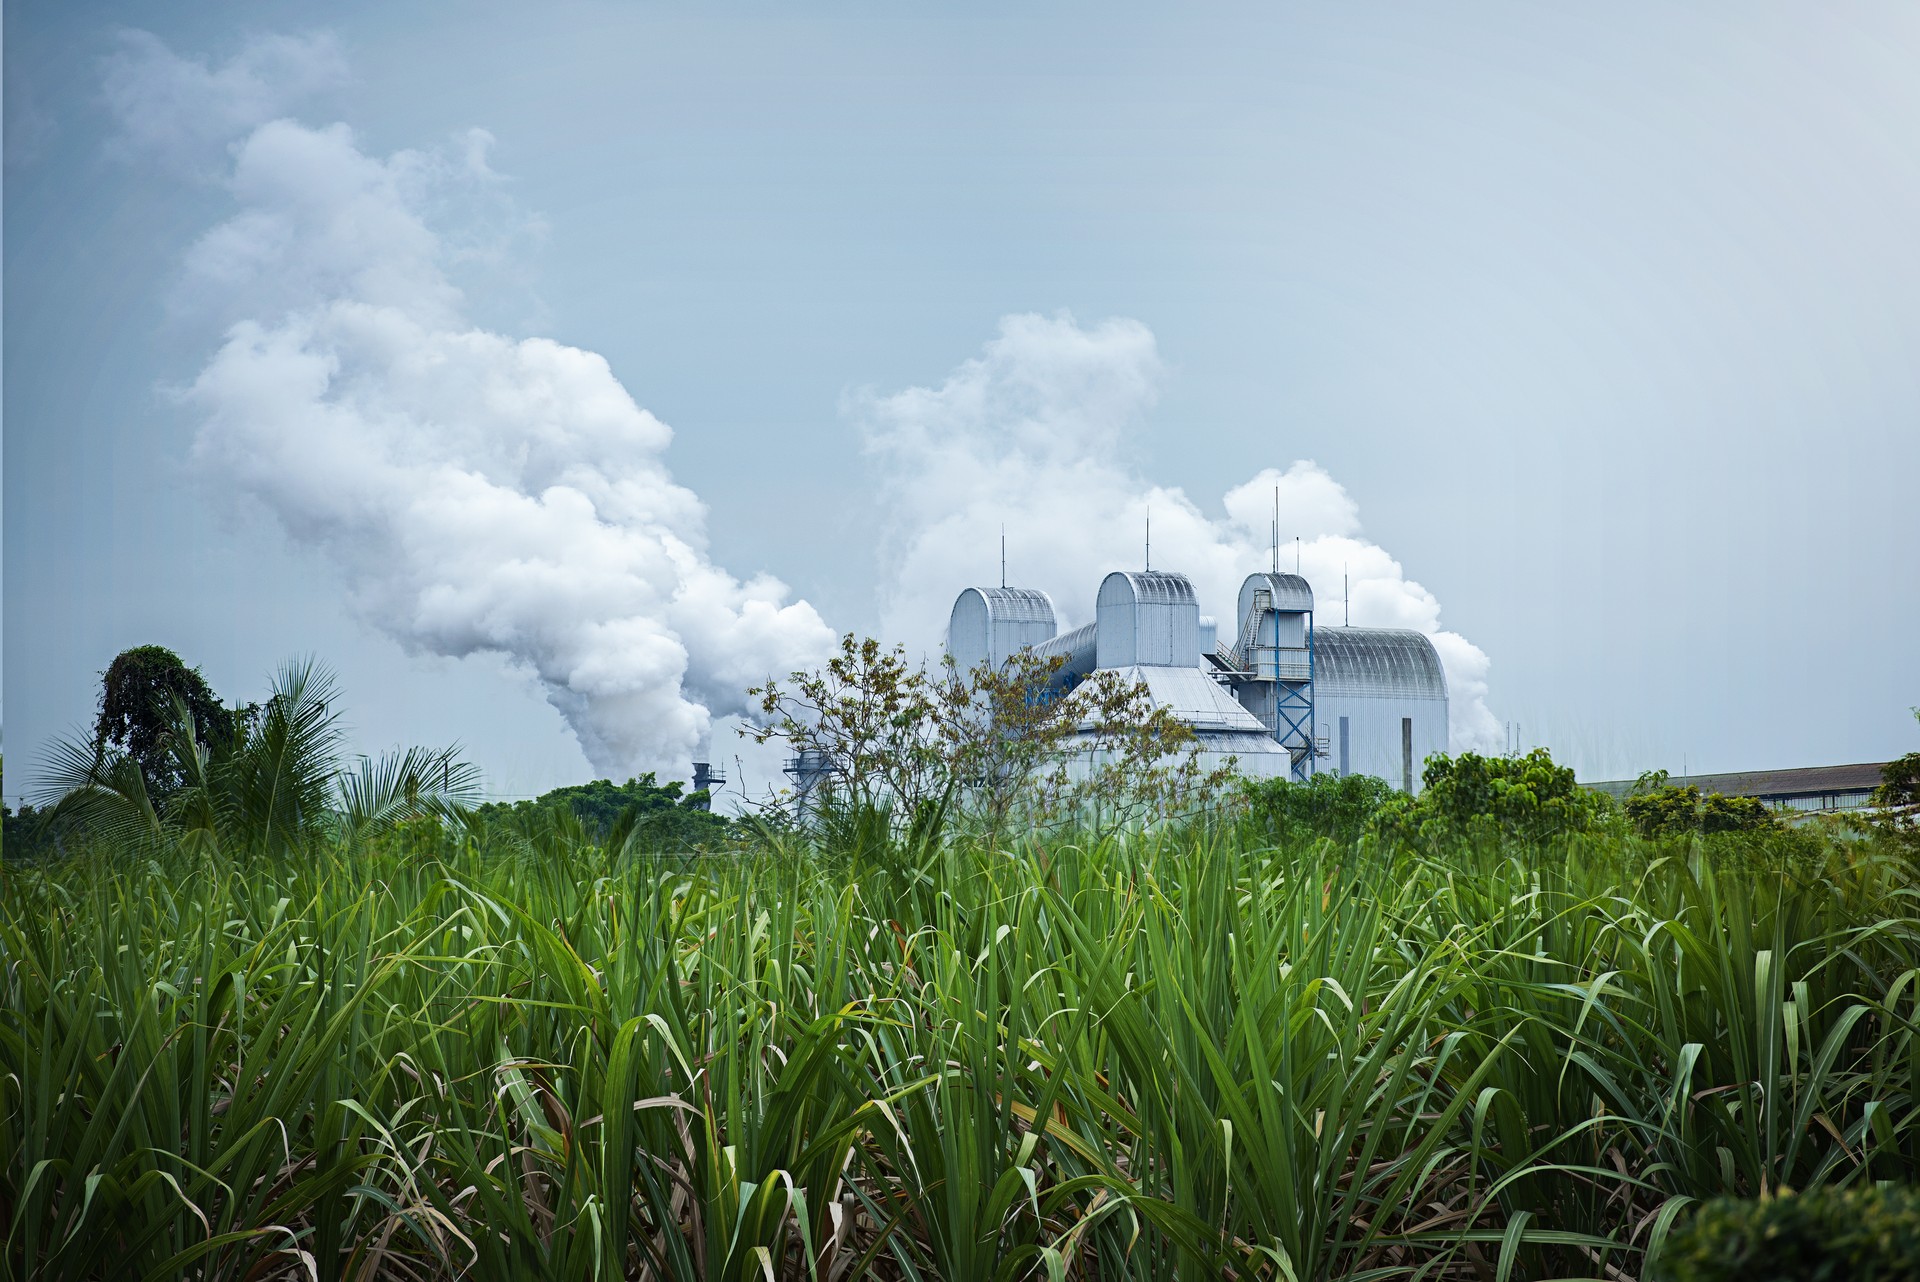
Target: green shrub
x=1526 y=798
x=1324 y=806
x=662 y=813
x=1658 y=809
x=1900 y=784
x=1839 y=1234
x=31 y=834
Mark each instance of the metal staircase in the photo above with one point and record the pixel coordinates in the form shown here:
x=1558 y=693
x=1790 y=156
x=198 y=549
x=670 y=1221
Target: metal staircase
x=1250 y=631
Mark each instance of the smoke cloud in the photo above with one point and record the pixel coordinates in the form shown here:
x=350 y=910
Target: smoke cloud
x=477 y=493
x=182 y=113
x=1028 y=435
x=483 y=493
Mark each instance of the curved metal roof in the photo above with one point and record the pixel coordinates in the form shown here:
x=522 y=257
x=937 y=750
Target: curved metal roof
x=1154 y=587
x=1147 y=617
x=1377 y=661
x=1016 y=605
x=1069 y=644
x=1290 y=592
x=991 y=624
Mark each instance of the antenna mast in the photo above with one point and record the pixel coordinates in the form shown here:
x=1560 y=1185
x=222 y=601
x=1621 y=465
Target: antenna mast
x=1003 y=556
x=1149 y=540
x=1276 y=529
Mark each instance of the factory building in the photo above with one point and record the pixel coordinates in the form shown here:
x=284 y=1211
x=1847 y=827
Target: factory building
x=1281 y=697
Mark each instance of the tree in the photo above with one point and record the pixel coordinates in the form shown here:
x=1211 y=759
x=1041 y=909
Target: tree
x=994 y=746
x=862 y=727
x=24 y=834
x=1338 y=807
x=1862 y=1233
x=1900 y=780
x=1528 y=798
x=1656 y=808
x=138 y=693
x=640 y=810
x=273 y=782
x=1025 y=746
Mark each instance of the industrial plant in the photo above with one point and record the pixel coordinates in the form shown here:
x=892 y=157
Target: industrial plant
x=1277 y=695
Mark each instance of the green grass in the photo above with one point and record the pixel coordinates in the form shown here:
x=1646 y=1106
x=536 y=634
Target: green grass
x=1168 y=1055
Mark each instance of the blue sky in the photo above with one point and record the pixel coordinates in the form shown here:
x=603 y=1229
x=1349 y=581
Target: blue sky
x=1599 y=322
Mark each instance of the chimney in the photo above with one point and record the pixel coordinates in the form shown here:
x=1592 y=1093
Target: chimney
x=705 y=778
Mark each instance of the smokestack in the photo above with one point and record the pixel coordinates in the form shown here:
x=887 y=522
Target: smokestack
x=705 y=778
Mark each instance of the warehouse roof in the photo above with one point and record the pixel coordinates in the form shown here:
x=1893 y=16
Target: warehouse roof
x=1803 y=781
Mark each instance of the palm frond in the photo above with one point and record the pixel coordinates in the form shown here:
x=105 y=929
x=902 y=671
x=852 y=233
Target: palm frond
x=101 y=792
x=196 y=807
x=379 y=792
x=280 y=779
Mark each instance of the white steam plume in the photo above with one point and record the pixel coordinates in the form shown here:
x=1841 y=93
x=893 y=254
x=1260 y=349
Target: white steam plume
x=182 y=113
x=482 y=493
x=1028 y=435
x=476 y=492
